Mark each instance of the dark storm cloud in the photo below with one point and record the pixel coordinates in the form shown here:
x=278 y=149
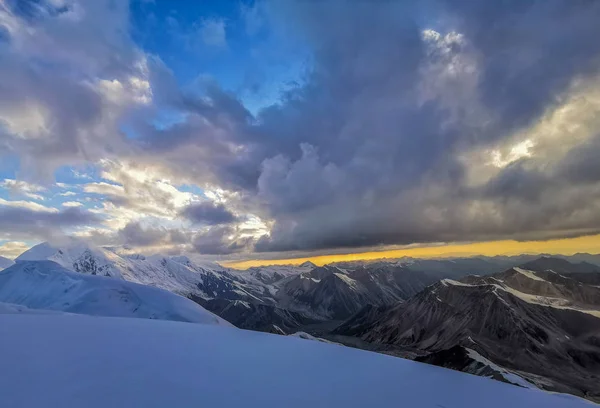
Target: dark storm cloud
x=135 y=235
x=208 y=213
x=531 y=50
x=29 y=222
x=367 y=150
x=216 y=241
x=581 y=164
x=383 y=168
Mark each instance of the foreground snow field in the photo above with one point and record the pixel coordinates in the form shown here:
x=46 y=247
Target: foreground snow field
x=48 y=286
x=83 y=361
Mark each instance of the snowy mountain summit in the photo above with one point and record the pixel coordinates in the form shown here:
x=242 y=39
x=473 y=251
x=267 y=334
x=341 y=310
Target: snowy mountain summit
x=45 y=285
x=77 y=256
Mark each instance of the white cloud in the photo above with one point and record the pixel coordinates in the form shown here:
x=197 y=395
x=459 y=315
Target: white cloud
x=13 y=249
x=24 y=188
x=104 y=188
x=72 y=204
x=30 y=205
x=213 y=32
x=516 y=152
x=138 y=192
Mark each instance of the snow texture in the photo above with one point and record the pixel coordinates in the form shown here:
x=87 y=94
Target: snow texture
x=94 y=362
x=529 y=274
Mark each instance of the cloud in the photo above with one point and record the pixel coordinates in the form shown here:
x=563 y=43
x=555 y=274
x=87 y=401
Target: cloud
x=133 y=191
x=68 y=194
x=212 y=32
x=26 y=222
x=134 y=234
x=69 y=76
x=208 y=213
x=219 y=240
x=370 y=150
x=24 y=188
x=417 y=122
x=253 y=17
x=72 y=204
x=29 y=205
x=13 y=249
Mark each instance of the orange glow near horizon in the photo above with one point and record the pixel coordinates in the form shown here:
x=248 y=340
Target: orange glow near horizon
x=567 y=246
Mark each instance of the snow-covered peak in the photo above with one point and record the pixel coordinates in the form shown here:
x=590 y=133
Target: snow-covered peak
x=48 y=286
x=308 y=264
x=38 y=252
x=76 y=255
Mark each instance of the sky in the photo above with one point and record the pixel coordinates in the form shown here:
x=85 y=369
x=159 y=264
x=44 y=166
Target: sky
x=280 y=129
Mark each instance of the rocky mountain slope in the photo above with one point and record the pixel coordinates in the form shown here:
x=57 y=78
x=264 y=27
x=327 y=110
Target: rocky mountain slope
x=469 y=361
x=333 y=293
x=258 y=316
x=535 y=320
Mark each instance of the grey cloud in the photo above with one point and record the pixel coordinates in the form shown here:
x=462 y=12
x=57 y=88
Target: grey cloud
x=22 y=221
x=49 y=71
x=208 y=213
x=367 y=150
x=135 y=235
x=386 y=168
x=216 y=241
x=531 y=51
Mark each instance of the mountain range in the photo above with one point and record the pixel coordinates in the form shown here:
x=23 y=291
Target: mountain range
x=527 y=320
x=541 y=320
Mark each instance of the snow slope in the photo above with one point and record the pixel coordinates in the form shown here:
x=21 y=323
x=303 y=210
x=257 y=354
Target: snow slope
x=11 y=308
x=5 y=263
x=80 y=361
x=48 y=286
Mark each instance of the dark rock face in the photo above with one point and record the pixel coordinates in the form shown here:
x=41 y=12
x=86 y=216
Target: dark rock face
x=458 y=358
x=540 y=322
x=260 y=317
x=333 y=293
x=87 y=264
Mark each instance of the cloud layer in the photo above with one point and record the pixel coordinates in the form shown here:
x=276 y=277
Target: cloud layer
x=415 y=122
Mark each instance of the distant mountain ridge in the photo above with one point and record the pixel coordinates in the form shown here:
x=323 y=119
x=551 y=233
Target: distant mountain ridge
x=533 y=320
